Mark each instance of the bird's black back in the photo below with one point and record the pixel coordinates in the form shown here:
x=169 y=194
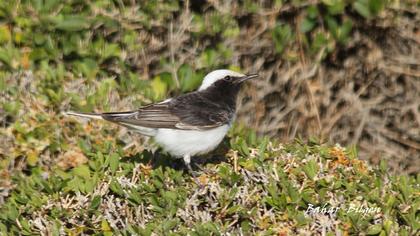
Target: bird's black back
x=213 y=106
x=199 y=110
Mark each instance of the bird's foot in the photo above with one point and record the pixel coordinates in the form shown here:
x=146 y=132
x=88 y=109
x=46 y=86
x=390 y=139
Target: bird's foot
x=203 y=169
x=195 y=174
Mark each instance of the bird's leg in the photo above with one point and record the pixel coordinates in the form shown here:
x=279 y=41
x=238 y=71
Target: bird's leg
x=187 y=162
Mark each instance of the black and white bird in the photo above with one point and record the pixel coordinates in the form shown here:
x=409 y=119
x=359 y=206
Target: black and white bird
x=191 y=124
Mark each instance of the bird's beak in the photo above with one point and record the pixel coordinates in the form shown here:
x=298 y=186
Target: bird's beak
x=245 y=78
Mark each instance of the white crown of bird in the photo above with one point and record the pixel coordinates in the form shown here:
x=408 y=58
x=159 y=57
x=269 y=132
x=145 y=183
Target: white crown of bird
x=216 y=75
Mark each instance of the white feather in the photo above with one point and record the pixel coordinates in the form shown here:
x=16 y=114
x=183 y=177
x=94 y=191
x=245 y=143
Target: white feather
x=140 y=129
x=216 y=75
x=180 y=143
x=90 y=116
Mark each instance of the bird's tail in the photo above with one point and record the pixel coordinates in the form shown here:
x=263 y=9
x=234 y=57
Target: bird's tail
x=85 y=115
x=116 y=117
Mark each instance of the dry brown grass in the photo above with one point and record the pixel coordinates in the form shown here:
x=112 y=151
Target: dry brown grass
x=366 y=93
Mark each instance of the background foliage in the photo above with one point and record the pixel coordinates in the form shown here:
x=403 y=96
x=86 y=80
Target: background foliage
x=343 y=71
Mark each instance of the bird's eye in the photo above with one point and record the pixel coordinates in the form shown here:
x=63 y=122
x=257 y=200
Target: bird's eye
x=228 y=78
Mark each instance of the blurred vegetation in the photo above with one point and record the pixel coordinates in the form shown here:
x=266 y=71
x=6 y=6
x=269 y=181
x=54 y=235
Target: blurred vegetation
x=64 y=177
x=103 y=40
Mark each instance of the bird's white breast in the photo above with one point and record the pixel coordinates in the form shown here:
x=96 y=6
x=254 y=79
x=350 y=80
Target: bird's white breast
x=190 y=142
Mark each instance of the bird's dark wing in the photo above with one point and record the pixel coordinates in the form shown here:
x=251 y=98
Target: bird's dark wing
x=196 y=111
x=188 y=112
x=151 y=116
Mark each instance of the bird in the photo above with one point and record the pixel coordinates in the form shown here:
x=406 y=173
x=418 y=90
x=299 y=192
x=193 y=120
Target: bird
x=190 y=124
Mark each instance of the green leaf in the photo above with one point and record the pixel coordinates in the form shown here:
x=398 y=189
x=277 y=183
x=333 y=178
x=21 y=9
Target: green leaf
x=332 y=25
x=114 y=160
x=376 y=6
x=335 y=6
x=362 y=7
x=208 y=58
x=344 y=31
x=307 y=25
x=383 y=166
x=96 y=201
x=105 y=226
x=11 y=108
x=116 y=188
x=311 y=169
x=5 y=35
x=88 y=67
x=159 y=87
x=110 y=50
x=374 y=229
x=282 y=34
x=82 y=171
x=72 y=23
x=188 y=79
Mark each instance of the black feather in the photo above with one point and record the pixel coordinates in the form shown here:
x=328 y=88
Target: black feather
x=200 y=110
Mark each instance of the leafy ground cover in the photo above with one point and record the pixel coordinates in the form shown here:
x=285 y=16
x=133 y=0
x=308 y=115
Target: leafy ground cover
x=345 y=69
x=261 y=187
